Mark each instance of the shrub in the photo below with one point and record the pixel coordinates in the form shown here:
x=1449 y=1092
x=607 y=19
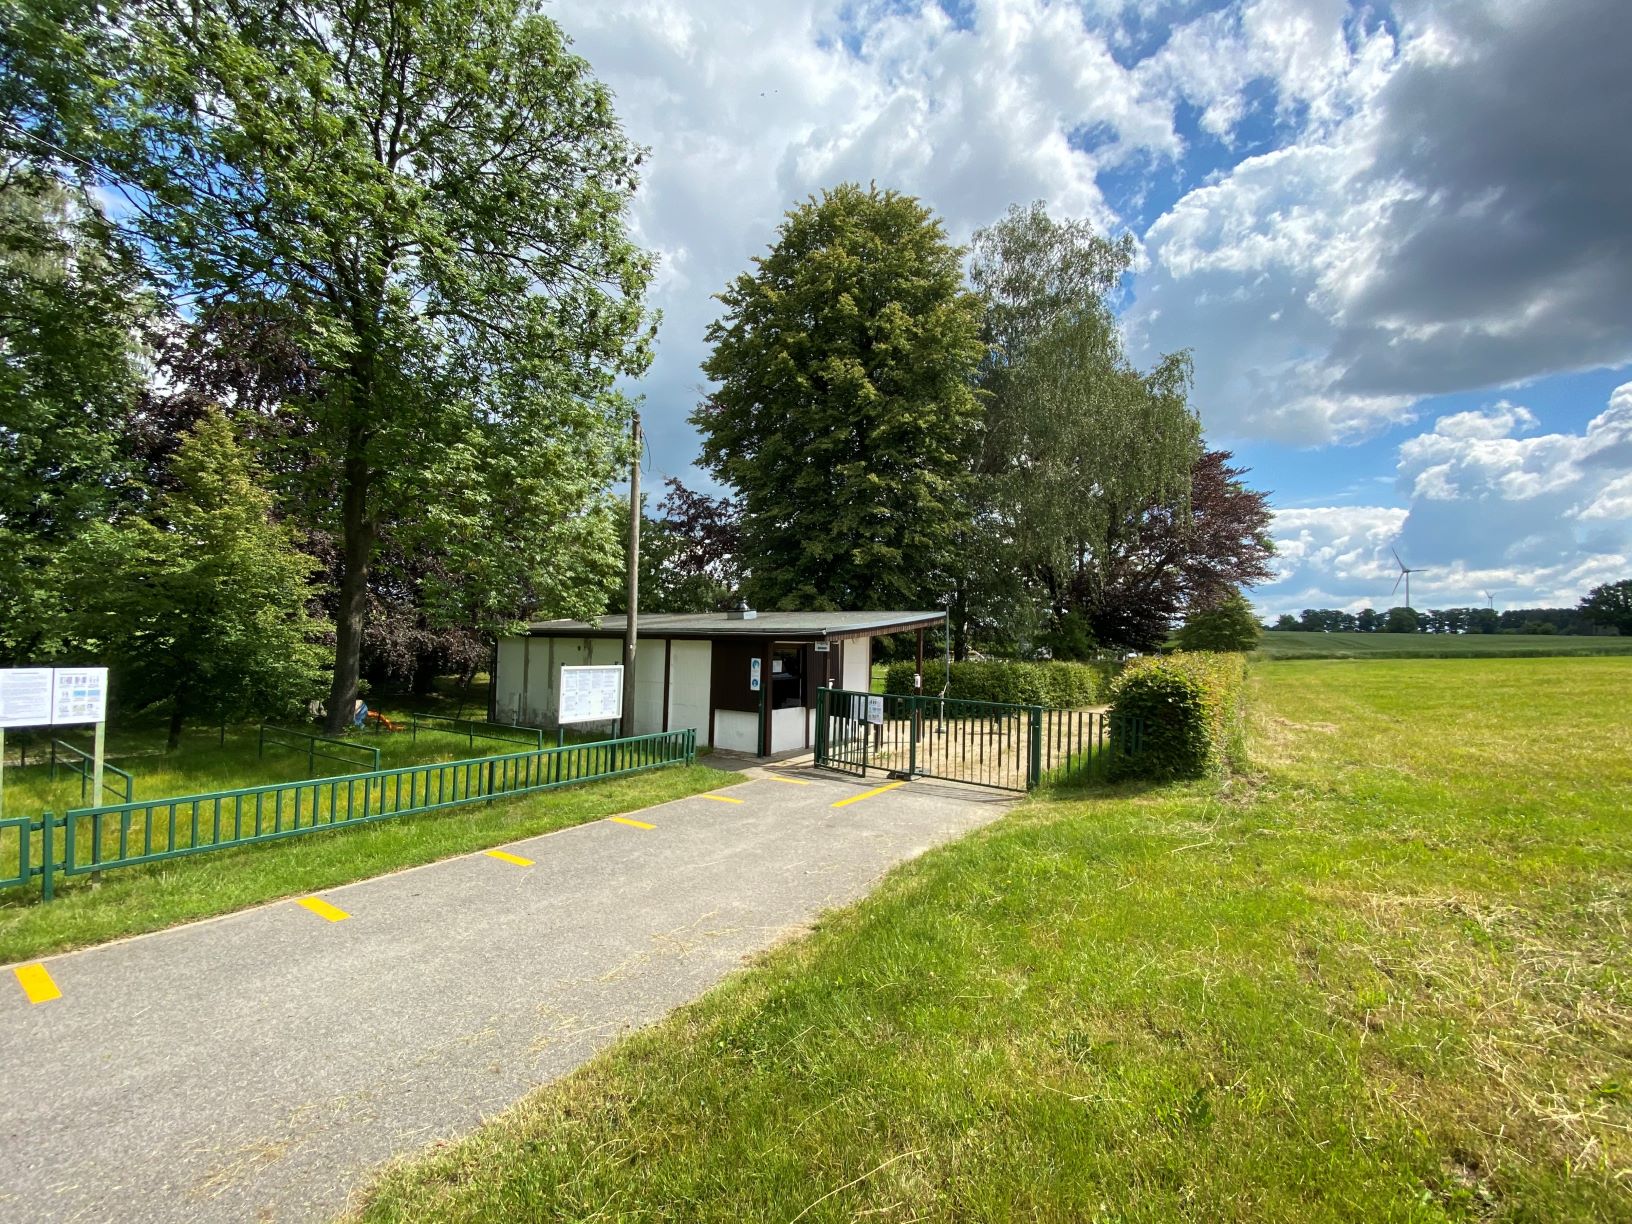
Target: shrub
x=1061 y=685
x=1191 y=708
x=1232 y=625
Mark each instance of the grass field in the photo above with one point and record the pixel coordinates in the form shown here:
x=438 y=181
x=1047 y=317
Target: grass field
x=1383 y=978
x=1297 y=644
x=132 y=900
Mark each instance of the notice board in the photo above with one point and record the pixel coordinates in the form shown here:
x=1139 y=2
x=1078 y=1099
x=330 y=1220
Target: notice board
x=591 y=694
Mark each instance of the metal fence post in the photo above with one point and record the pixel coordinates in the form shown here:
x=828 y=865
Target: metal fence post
x=48 y=859
x=912 y=736
x=1034 y=771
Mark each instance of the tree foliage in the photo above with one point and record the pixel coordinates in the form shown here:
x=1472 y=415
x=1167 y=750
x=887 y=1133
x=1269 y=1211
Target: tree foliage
x=1079 y=448
x=69 y=376
x=430 y=198
x=1229 y=625
x=844 y=418
x=1611 y=605
x=690 y=552
x=200 y=604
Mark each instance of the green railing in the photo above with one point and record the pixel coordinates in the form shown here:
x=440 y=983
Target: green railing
x=78 y=761
x=988 y=743
x=84 y=841
x=307 y=742
x=474 y=729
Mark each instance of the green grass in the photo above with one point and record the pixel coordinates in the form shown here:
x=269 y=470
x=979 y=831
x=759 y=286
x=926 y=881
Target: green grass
x=1383 y=978
x=138 y=899
x=1298 y=644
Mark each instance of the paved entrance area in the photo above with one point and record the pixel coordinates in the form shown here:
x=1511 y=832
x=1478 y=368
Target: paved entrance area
x=259 y=1066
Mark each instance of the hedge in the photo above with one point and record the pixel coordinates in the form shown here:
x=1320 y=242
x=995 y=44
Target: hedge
x=1064 y=686
x=1191 y=708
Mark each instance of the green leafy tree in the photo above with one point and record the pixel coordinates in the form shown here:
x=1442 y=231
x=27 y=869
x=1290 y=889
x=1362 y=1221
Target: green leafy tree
x=1230 y=625
x=1286 y=621
x=1610 y=604
x=69 y=378
x=844 y=418
x=1402 y=620
x=1079 y=447
x=200 y=605
x=433 y=195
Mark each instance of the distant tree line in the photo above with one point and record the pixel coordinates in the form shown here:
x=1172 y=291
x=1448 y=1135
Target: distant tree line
x=1580 y=620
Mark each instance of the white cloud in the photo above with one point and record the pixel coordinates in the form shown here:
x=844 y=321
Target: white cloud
x=1447 y=214
x=748 y=109
x=1548 y=515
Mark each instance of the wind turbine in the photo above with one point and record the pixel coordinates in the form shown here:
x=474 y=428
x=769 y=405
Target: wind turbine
x=1405 y=576
x=1490 y=600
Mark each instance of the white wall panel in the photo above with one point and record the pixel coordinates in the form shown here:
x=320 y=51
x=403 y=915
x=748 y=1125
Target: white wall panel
x=689 y=678
x=736 y=731
x=858 y=665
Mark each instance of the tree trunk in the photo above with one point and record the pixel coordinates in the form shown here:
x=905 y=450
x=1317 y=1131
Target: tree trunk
x=357 y=545
x=176 y=714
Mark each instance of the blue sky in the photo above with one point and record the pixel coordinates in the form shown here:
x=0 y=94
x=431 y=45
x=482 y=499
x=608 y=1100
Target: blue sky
x=1395 y=237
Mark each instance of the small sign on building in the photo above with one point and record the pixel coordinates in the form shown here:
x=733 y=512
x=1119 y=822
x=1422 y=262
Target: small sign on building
x=753 y=675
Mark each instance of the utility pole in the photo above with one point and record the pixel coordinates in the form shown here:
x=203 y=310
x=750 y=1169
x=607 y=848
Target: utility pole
x=632 y=629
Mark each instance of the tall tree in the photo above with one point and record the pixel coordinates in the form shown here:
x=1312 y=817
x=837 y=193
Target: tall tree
x=1077 y=444
x=206 y=612
x=844 y=418
x=434 y=194
x=69 y=378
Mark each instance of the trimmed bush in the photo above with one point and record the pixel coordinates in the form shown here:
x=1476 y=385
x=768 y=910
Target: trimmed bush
x=1060 y=685
x=1191 y=707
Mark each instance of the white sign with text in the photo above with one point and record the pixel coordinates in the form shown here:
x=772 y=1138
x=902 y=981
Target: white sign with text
x=591 y=694
x=25 y=697
x=79 y=695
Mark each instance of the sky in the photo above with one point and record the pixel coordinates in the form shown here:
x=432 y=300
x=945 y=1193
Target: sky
x=1396 y=238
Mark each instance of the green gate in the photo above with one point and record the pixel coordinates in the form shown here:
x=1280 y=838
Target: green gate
x=987 y=743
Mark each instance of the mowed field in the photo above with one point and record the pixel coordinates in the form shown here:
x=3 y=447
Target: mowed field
x=1298 y=644
x=1385 y=977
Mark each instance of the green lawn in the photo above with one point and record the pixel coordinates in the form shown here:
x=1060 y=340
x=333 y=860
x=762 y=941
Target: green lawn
x=1384 y=978
x=1297 y=644
x=137 y=899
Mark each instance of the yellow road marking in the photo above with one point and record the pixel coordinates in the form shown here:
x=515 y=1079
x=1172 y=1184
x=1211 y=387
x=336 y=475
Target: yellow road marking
x=504 y=856
x=877 y=790
x=323 y=909
x=633 y=824
x=720 y=798
x=789 y=781
x=36 y=982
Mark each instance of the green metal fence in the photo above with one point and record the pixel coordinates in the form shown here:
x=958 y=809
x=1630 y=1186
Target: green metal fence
x=84 y=841
x=306 y=741
x=474 y=729
x=77 y=761
x=988 y=743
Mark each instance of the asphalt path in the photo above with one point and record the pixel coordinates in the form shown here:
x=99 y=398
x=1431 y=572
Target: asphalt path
x=261 y=1065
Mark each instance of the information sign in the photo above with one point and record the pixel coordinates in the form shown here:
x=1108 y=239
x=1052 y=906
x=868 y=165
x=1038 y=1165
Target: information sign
x=753 y=675
x=591 y=694
x=875 y=710
x=25 y=697
x=79 y=695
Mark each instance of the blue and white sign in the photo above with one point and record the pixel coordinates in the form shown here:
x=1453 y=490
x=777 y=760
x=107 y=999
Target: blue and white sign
x=753 y=675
